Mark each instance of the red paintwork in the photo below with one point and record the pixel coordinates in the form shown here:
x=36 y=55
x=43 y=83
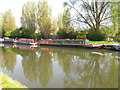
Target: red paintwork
x=46 y=49
x=47 y=41
x=27 y=40
x=26 y=48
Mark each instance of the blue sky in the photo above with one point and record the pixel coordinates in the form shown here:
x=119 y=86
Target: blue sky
x=16 y=7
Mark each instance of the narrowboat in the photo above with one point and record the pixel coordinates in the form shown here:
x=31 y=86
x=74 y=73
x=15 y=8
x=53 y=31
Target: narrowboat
x=26 y=41
x=1 y=40
x=116 y=46
x=8 y=40
x=84 y=43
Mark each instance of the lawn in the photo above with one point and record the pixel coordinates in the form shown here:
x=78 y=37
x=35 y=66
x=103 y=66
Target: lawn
x=103 y=42
x=7 y=82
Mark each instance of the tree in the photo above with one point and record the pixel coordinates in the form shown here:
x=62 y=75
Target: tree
x=90 y=14
x=115 y=20
x=54 y=27
x=65 y=29
x=44 y=18
x=28 y=19
x=59 y=22
x=8 y=22
x=37 y=17
x=66 y=19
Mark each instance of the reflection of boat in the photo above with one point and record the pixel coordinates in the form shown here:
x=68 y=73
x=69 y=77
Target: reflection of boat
x=98 y=53
x=108 y=47
x=1 y=45
x=46 y=49
x=26 y=41
x=84 y=43
x=26 y=47
x=8 y=45
x=116 y=46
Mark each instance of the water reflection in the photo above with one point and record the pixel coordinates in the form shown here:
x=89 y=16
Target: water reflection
x=80 y=68
x=7 y=59
x=38 y=68
x=86 y=69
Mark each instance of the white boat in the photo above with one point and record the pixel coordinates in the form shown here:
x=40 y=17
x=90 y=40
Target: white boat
x=116 y=46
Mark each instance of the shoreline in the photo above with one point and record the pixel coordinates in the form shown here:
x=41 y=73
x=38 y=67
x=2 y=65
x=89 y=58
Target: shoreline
x=7 y=82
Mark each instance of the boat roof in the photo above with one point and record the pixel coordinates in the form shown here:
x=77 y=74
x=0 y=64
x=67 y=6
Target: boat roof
x=63 y=39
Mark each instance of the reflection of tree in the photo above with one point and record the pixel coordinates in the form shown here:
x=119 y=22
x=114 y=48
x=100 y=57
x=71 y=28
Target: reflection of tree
x=38 y=67
x=7 y=59
x=84 y=69
x=30 y=63
x=64 y=61
x=45 y=68
x=97 y=71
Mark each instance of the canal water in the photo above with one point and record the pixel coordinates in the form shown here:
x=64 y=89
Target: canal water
x=59 y=67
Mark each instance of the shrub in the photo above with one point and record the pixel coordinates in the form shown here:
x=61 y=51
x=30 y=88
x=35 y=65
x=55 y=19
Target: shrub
x=96 y=36
x=64 y=34
x=81 y=35
x=37 y=35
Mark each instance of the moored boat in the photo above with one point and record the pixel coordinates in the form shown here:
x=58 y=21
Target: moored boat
x=8 y=40
x=116 y=46
x=26 y=41
x=84 y=43
x=1 y=40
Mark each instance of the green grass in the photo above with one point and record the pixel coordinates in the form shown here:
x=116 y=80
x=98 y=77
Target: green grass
x=103 y=42
x=7 y=82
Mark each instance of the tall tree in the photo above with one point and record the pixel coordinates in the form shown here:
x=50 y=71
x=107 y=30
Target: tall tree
x=116 y=19
x=66 y=19
x=44 y=18
x=28 y=19
x=59 y=22
x=92 y=14
x=8 y=22
x=65 y=28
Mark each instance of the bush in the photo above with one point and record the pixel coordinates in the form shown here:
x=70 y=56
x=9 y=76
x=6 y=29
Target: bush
x=117 y=37
x=96 y=36
x=37 y=35
x=65 y=34
x=21 y=33
x=81 y=35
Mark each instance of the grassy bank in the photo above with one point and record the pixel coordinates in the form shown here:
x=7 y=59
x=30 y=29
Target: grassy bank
x=103 y=42
x=7 y=82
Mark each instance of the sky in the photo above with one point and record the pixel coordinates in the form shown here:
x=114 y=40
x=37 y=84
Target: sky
x=16 y=7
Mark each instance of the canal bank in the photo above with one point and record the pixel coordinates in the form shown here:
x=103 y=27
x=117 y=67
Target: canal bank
x=7 y=82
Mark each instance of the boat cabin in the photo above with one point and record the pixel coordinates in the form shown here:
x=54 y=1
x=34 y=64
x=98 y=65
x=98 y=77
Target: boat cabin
x=65 y=41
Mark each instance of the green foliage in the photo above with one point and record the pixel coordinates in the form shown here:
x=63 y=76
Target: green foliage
x=65 y=29
x=28 y=18
x=81 y=34
x=8 y=34
x=8 y=22
x=103 y=42
x=8 y=82
x=23 y=33
x=64 y=34
x=37 y=16
x=117 y=37
x=37 y=35
x=44 y=21
x=66 y=19
x=96 y=36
